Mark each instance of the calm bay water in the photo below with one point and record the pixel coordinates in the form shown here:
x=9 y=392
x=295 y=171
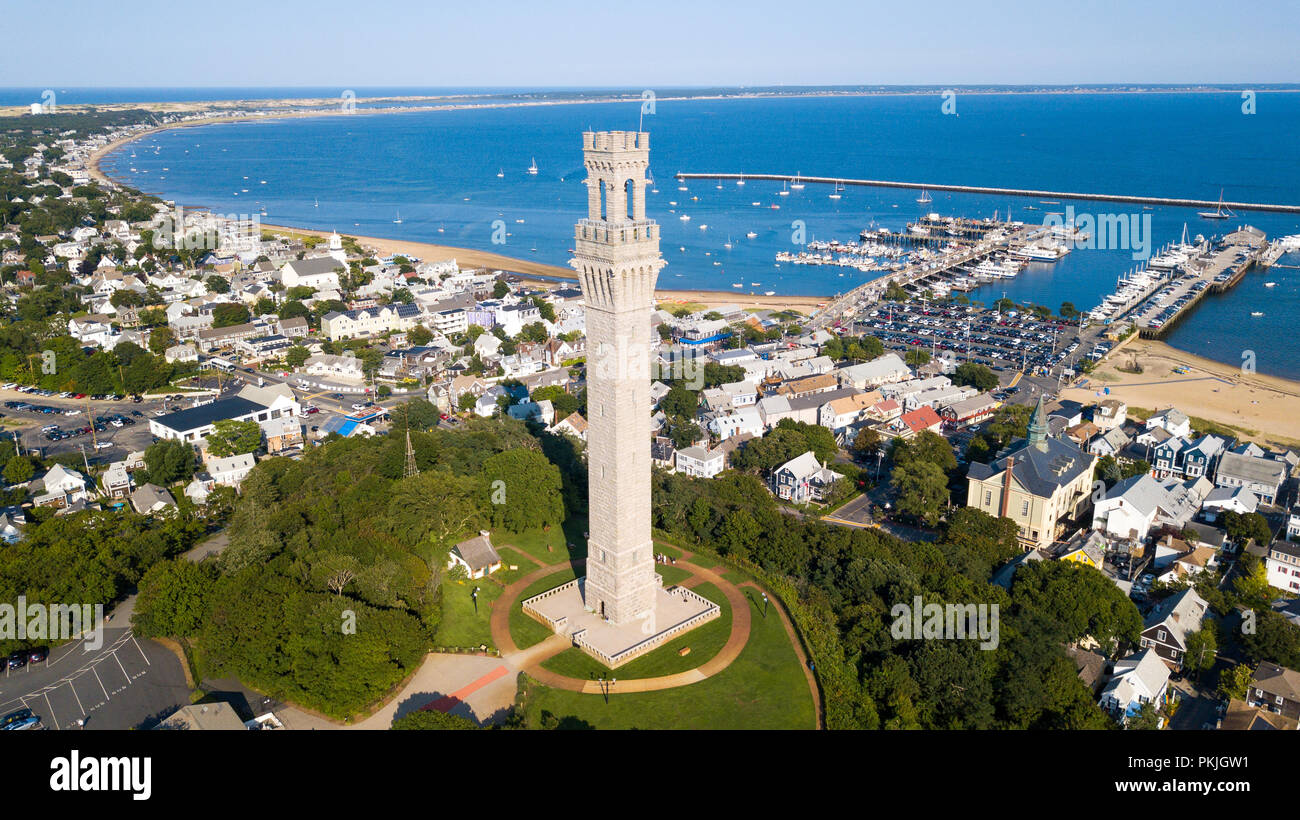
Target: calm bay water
x=438 y=170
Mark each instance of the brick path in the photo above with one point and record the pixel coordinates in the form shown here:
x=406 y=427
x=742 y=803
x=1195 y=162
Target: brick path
x=530 y=660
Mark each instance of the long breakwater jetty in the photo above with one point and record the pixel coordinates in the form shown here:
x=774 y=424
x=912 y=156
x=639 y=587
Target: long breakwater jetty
x=1023 y=192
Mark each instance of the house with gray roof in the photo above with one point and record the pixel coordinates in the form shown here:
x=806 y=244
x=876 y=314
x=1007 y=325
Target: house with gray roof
x=150 y=498
x=476 y=555
x=1275 y=688
x=1262 y=476
x=1138 y=679
x=1167 y=627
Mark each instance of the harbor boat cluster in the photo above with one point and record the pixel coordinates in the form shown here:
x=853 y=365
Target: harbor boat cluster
x=1180 y=275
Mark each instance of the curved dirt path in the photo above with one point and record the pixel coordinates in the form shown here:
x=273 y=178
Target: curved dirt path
x=530 y=660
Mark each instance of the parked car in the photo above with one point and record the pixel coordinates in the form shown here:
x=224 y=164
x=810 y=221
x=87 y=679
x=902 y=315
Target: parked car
x=20 y=725
x=37 y=654
x=18 y=659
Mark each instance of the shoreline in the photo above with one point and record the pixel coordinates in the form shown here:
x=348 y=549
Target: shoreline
x=630 y=95
x=1259 y=406
x=542 y=273
x=1275 y=422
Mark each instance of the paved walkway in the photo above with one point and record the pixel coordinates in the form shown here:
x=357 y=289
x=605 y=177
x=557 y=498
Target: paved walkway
x=530 y=660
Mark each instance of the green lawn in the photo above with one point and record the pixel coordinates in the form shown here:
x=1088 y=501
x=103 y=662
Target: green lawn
x=507 y=576
x=701 y=559
x=523 y=629
x=548 y=547
x=672 y=575
x=764 y=688
x=668 y=549
x=461 y=625
x=705 y=642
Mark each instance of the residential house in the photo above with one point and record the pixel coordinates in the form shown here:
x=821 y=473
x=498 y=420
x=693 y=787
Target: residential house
x=1276 y=689
x=1110 y=443
x=1262 y=476
x=1110 y=414
x=477 y=555
x=1173 y=421
x=803 y=479
x=150 y=499
x=59 y=487
x=365 y=322
x=230 y=471
x=1133 y=506
x=573 y=424
x=918 y=421
x=699 y=462
x=1167 y=627
x=1138 y=679
x=969 y=411
x=1283 y=565
x=116 y=481
x=1224 y=499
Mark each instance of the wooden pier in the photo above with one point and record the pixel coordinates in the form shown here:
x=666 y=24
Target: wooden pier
x=1023 y=192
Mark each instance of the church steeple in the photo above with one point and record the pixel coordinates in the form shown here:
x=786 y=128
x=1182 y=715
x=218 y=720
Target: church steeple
x=1038 y=426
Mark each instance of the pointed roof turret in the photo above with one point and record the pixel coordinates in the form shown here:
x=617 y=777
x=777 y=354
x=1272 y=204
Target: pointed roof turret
x=1038 y=426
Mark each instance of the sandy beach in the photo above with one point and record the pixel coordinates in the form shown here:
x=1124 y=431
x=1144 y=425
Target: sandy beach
x=470 y=258
x=1261 y=407
x=1265 y=409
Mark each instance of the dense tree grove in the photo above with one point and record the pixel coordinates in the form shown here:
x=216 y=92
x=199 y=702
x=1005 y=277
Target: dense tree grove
x=329 y=591
x=842 y=584
x=89 y=558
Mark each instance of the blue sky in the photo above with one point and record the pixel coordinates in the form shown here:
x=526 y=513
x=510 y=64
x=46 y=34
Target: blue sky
x=647 y=44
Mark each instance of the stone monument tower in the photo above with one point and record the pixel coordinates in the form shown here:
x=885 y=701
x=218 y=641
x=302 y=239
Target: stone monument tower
x=616 y=255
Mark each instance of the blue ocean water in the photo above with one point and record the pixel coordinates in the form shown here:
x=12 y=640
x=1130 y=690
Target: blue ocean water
x=438 y=170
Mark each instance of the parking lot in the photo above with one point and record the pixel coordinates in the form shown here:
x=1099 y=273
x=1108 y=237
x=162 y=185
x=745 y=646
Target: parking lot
x=126 y=683
x=1005 y=342
x=107 y=428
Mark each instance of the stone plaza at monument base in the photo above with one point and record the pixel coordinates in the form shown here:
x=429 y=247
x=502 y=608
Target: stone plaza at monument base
x=619 y=609
x=564 y=609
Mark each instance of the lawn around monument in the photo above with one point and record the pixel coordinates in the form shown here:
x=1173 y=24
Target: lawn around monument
x=764 y=688
x=704 y=642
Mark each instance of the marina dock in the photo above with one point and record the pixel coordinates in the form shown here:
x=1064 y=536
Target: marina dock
x=1212 y=271
x=1023 y=192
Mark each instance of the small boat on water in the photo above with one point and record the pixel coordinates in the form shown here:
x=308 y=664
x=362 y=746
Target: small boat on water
x=501 y=173
x=925 y=198
x=769 y=293
x=740 y=182
x=1270 y=284
x=1256 y=313
x=751 y=234
x=839 y=189
x=797 y=184
x=785 y=190
x=532 y=169
x=684 y=218
x=1218 y=213
x=398 y=220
